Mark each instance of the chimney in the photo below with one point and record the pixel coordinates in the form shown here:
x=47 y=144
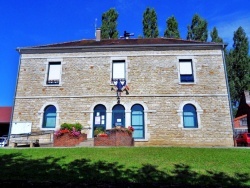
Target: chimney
x=98 y=34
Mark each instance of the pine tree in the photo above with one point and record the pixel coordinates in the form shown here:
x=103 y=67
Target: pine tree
x=238 y=67
x=198 y=29
x=172 y=28
x=214 y=35
x=109 y=24
x=150 y=27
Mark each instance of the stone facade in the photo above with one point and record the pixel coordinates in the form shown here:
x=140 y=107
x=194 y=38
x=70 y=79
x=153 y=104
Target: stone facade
x=153 y=80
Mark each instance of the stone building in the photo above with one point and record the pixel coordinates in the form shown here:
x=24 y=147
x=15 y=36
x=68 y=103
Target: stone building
x=176 y=89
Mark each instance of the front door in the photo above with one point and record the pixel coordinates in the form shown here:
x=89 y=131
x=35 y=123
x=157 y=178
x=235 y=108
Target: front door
x=118 y=116
x=99 y=121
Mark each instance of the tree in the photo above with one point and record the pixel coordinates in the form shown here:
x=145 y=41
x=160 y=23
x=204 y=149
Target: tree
x=172 y=28
x=214 y=35
x=198 y=29
x=238 y=67
x=109 y=24
x=150 y=27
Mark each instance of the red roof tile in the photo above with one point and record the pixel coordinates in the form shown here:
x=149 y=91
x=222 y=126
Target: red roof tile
x=5 y=114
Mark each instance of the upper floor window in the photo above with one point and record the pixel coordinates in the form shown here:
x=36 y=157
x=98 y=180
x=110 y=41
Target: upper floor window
x=54 y=73
x=186 y=70
x=118 y=69
x=190 y=116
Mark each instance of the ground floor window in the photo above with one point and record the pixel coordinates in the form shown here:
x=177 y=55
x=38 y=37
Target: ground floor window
x=137 y=121
x=49 y=117
x=189 y=116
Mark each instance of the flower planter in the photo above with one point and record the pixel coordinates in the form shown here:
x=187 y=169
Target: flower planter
x=68 y=140
x=116 y=137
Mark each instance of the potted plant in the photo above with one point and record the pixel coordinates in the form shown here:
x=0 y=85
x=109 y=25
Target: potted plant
x=98 y=130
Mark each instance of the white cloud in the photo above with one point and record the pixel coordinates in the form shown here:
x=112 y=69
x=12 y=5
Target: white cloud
x=229 y=23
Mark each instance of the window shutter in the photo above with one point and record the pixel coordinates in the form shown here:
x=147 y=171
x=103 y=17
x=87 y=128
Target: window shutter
x=186 y=68
x=118 y=70
x=54 y=72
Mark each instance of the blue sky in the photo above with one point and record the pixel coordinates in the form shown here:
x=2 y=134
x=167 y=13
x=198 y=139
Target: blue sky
x=38 y=22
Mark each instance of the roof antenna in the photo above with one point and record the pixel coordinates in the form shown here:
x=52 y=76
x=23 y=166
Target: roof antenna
x=126 y=35
x=95 y=26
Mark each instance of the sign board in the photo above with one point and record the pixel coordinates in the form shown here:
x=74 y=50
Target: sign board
x=21 y=127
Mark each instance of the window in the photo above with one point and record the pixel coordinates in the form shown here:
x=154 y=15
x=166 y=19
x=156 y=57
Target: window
x=49 y=117
x=190 y=116
x=137 y=121
x=243 y=122
x=99 y=117
x=54 y=73
x=186 y=70
x=118 y=69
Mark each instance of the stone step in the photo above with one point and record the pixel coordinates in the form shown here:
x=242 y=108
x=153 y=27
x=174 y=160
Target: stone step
x=87 y=143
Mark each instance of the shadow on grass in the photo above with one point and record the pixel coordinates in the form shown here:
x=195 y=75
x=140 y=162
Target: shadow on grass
x=22 y=171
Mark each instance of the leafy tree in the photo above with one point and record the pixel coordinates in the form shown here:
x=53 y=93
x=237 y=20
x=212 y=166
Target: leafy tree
x=172 y=28
x=198 y=29
x=109 y=24
x=238 y=67
x=150 y=27
x=214 y=35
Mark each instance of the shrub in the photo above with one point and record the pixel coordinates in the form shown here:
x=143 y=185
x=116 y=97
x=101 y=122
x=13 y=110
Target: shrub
x=78 y=126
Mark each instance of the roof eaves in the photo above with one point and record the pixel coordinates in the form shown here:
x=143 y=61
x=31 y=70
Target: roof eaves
x=19 y=49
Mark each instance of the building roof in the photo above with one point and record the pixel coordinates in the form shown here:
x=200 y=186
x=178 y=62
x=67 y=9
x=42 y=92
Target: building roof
x=136 y=44
x=115 y=42
x=240 y=117
x=5 y=114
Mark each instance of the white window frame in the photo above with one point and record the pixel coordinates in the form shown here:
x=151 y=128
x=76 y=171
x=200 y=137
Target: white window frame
x=199 y=111
x=193 y=66
x=116 y=60
x=48 y=64
x=41 y=116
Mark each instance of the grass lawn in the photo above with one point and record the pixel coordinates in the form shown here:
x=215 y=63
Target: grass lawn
x=133 y=166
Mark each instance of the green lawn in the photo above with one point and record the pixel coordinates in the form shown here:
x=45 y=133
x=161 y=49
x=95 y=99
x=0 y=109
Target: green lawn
x=176 y=166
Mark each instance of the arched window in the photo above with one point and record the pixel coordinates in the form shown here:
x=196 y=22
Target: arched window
x=99 y=117
x=49 y=117
x=137 y=121
x=190 y=116
x=118 y=115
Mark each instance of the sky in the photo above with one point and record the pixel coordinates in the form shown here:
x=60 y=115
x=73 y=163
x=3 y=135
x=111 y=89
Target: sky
x=29 y=23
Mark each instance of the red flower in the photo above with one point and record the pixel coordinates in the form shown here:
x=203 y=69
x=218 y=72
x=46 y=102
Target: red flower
x=131 y=128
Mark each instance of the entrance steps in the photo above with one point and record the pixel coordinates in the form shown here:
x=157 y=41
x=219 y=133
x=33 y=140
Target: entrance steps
x=87 y=143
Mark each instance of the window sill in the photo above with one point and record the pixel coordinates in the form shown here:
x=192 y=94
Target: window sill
x=52 y=85
x=186 y=83
x=190 y=128
x=48 y=129
x=141 y=140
